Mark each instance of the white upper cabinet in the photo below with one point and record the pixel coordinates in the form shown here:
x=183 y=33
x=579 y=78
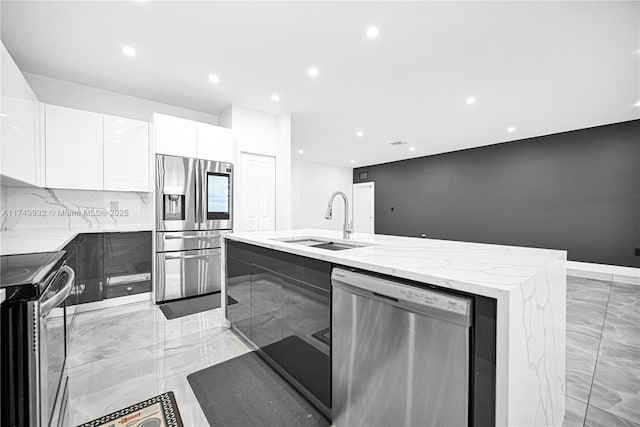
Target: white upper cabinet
x=126 y=154
x=175 y=136
x=215 y=143
x=21 y=148
x=74 y=149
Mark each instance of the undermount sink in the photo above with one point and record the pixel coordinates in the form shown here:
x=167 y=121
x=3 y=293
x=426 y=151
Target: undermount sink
x=315 y=242
x=333 y=246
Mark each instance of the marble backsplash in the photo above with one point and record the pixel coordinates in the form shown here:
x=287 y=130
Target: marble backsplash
x=38 y=208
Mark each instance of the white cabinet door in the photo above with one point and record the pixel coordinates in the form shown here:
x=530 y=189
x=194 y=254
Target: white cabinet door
x=215 y=143
x=19 y=133
x=126 y=154
x=255 y=190
x=74 y=157
x=175 y=136
x=18 y=139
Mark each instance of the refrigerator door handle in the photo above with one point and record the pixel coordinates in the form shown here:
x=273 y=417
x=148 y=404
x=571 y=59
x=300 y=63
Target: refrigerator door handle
x=197 y=170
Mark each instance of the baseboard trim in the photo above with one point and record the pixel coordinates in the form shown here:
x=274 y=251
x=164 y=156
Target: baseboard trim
x=111 y=302
x=614 y=273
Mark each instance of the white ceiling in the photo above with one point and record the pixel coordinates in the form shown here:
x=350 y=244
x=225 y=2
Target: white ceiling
x=543 y=67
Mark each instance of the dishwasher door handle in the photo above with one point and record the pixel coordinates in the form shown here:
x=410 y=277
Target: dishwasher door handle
x=385 y=297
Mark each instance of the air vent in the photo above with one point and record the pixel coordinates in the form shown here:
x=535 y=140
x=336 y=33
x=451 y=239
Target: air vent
x=398 y=143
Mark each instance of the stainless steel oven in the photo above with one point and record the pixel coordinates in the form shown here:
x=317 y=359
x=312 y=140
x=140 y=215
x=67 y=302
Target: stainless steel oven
x=194 y=208
x=34 y=336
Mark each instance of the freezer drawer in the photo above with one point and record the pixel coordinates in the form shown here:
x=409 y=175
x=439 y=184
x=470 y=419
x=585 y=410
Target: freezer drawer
x=188 y=240
x=400 y=354
x=187 y=273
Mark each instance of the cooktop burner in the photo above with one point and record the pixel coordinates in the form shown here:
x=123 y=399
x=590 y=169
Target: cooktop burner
x=26 y=269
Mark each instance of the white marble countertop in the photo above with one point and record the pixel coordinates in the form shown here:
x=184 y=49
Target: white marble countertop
x=22 y=241
x=477 y=268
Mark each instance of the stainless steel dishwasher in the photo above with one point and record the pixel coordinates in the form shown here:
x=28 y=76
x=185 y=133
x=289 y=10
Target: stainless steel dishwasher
x=400 y=354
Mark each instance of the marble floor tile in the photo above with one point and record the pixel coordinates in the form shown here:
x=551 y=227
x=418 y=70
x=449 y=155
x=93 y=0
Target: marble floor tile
x=590 y=290
x=582 y=351
x=616 y=383
x=99 y=335
x=585 y=317
x=151 y=355
x=622 y=327
x=599 y=418
x=622 y=322
x=575 y=412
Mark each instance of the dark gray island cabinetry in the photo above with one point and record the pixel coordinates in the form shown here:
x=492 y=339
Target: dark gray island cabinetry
x=283 y=310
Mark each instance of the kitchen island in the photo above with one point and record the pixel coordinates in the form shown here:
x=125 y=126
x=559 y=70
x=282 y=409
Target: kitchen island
x=528 y=286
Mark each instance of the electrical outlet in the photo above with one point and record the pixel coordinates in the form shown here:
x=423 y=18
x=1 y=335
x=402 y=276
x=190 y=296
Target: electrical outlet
x=114 y=205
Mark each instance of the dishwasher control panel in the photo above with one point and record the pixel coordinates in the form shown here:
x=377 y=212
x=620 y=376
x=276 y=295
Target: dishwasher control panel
x=435 y=299
x=396 y=291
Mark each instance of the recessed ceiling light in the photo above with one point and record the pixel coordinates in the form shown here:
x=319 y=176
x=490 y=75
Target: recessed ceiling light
x=301 y=151
x=412 y=148
x=119 y=120
x=275 y=97
x=373 y=32
x=213 y=78
x=471 y=100
x=360 y=134
x=352 y=161
x=511 y=129
x=313 y=72
x=3 y=115
x=129 y=51
x=637 y=104
x=16 y=128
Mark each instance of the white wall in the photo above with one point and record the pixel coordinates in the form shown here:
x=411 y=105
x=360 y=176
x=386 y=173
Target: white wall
x=256 y=132
x=283 y=172
x=73 y=95
x=312 y=185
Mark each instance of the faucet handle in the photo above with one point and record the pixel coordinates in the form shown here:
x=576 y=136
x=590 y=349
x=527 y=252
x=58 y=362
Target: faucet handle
x=347 y=229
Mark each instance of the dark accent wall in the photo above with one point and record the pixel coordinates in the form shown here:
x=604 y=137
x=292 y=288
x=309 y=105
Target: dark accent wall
x=578 y=191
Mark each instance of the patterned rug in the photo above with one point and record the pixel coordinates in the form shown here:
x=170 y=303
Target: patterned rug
x=159 y=411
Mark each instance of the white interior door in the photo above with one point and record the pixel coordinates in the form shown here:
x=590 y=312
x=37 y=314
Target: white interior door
x=256 y=192
x=364 y=207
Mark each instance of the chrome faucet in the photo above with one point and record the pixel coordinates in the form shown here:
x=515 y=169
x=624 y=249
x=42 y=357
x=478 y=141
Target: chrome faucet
x=347 y=228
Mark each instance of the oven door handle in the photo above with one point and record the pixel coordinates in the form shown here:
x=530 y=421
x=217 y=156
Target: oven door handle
x=61 y=295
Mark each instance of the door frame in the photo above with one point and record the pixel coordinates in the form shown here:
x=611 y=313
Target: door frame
x=371 y=184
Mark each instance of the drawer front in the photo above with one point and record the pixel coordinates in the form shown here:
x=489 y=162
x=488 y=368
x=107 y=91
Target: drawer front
x=187 y=273
x=123 y=285
x=308 y=270
x=187 y=240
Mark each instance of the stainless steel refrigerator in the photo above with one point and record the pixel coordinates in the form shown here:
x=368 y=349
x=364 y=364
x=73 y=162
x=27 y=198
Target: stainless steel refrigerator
x=194 y=208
